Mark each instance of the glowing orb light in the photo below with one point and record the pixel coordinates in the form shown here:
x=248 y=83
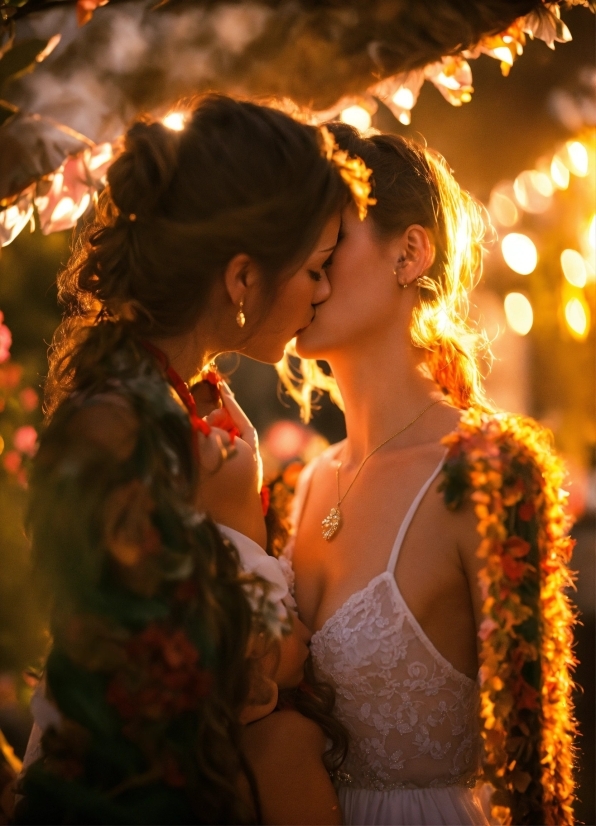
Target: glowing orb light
x=574 y=268
x=559 y=173
x=577 y=316
x=356 y=116
x=404 y=97
x=519 y=313
x=533 y=190
x=592 y=233
x=519 y=253
x=502 y=207
x=405 y=118
x=577 y=158
x=175 y=121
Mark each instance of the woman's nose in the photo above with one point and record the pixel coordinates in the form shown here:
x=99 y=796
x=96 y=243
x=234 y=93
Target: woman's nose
x=322 y=290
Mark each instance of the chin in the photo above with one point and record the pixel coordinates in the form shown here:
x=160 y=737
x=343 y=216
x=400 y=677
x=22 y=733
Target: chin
x=266 y=356
x=308 y=346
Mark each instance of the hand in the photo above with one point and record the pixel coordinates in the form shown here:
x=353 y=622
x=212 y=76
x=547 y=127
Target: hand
x=229 y=490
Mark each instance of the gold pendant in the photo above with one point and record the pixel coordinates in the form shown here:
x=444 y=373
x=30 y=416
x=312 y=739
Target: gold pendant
x=331 y=523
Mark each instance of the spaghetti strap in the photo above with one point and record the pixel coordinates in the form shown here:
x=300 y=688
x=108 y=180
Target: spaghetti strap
x=403 y=529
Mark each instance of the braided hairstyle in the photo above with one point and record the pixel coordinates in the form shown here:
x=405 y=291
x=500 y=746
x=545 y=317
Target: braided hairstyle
x=179 y=205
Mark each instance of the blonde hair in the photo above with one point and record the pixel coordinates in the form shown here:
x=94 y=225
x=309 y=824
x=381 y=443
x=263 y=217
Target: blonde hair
x=414 y=185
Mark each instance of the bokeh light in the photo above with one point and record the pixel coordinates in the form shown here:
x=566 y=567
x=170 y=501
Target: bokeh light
x=519 y=252
x=356 y=116
x=577 y=158
x=592 y=233
x=519 y=313
x=559 y=173
x=404 y=97
x=533 y=191
x=577 y=316
x=574 y=268
x=175 y=121
x=502 y=206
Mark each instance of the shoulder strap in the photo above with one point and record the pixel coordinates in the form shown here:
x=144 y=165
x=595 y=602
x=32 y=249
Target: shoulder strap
x=410 y=515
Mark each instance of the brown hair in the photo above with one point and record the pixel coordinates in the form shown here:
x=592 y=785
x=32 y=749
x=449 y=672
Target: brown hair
x=414 y=185
x=238 y=178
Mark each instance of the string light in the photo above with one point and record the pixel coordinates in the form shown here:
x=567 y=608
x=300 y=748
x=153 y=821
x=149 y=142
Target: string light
x=519 y=252
x=559 y=173
x=574 y=268
x=577 y=158
x=519 y=313
x=404 y=97
x=356 y=116
x=502 y=206
x=533 y=191
x=577 y=316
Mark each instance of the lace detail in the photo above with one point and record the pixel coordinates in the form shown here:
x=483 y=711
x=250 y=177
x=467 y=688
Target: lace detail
x=412 y=717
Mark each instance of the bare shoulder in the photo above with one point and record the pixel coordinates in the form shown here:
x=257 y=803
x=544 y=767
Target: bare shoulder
x=285 y=751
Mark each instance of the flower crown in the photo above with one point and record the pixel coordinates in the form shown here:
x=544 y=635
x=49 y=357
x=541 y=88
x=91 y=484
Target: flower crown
x=352 y=169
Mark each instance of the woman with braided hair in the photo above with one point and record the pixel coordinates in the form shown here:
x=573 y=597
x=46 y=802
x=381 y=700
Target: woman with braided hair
x=433 y=540
x=171 y=634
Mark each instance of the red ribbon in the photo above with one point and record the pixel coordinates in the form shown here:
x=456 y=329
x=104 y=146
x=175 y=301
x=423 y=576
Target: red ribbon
x=198 y=424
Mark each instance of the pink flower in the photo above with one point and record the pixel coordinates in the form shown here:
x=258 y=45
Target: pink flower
x=25 y=440
x=12 y=461
x=5 y=340
x=29 y=399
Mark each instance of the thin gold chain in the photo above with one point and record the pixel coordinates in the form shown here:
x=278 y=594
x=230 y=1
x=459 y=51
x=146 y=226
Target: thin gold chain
x=340 y=499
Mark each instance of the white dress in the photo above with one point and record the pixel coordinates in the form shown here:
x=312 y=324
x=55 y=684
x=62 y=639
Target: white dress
x=412 y=718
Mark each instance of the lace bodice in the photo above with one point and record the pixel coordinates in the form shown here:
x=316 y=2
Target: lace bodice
x=412 y=717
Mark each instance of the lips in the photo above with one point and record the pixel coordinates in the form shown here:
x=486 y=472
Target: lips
x=301 y=330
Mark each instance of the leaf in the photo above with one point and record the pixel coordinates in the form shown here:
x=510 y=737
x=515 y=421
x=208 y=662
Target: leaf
x=22 y=58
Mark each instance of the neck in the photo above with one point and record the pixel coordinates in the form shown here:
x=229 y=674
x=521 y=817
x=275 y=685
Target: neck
x=187 y=353
x=382 y=390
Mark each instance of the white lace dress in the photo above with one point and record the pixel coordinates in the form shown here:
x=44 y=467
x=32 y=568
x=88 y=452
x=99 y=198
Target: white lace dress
x=411 y=716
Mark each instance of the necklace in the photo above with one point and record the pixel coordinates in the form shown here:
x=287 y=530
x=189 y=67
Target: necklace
x=332 y=522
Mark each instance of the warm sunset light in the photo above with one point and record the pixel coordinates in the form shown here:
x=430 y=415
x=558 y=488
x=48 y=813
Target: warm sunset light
x=519 y=253
x=519 y=313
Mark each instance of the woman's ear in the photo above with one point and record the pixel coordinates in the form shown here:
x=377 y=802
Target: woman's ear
x=416 y=254
x=240 y=276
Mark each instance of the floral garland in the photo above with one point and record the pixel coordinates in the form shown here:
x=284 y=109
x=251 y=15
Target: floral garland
x=507 y=467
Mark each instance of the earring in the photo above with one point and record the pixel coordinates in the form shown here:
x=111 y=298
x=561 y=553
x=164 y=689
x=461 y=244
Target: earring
x=240 y=317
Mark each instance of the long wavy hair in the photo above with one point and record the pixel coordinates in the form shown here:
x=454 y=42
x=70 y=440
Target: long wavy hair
x=414 y=185
x=238 y=178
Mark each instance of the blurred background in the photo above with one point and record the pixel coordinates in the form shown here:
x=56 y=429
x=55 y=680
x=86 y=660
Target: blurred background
x=526 y=147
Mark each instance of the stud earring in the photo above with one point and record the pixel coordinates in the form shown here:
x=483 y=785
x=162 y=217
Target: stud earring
x=240 y=317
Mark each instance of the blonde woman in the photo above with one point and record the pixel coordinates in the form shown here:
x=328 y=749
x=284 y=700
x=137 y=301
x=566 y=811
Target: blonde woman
x=386 y=573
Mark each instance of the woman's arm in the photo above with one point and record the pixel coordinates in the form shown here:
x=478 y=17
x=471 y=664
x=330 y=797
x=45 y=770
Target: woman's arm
x=285 y=752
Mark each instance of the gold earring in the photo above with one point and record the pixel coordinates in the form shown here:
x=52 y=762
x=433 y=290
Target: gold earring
x=240 y=317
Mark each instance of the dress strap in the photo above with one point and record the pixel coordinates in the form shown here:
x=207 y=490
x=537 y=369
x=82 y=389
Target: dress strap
x=403 y=529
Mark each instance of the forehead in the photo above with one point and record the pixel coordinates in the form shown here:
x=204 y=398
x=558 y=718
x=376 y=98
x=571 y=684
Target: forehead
x=328 y=237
